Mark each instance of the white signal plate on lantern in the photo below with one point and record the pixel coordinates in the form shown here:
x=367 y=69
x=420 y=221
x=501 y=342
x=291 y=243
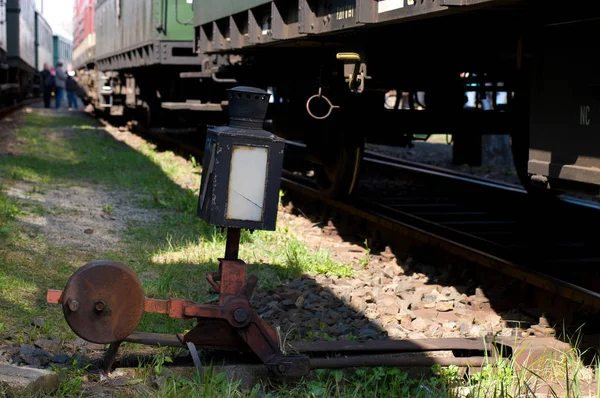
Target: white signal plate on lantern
x=247 y=183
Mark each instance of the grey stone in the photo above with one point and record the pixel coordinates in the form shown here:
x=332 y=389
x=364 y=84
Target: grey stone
x=118 y=382
x=289 y=294
x=395 y=332
x=24 y=379
x=385 y=300
x=388 y=272
x=299 y=303
x=406 y=322
x=429 y=299
x=159 y=382
x=404 y=288
x=143 y=390
x=464 y=313
x=38 y=322
x=420 y=324
x=47 y=344
x=296 y=284
x=435 y=330
x=288 y=304
x=368 y=332
x=391 y=309
x=358 y=304
x=79 y=342
x=336 y=316
x=444 y=306
x=371 y=313
x=262 y=310
x=449 y=325
x=359 y=323
x=60 y=358
x=475 y=331
x=26 y=350
x=339 y=330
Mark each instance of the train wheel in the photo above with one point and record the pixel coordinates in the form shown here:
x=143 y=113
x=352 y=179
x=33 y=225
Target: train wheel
x=339 y=167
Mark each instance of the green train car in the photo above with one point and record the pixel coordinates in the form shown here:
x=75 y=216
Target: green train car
x=143 y=32
x=138 y=41
x=63 y=49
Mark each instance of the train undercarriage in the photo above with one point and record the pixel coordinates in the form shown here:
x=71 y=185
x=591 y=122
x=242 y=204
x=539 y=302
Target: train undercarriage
x=335 y=92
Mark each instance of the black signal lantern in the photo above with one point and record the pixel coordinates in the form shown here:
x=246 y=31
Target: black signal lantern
x=241 y=172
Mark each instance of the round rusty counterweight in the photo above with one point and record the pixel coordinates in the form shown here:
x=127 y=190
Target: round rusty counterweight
x=103 y=302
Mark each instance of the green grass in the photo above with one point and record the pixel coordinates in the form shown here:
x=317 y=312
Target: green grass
x=171 y=257
x=8 y=212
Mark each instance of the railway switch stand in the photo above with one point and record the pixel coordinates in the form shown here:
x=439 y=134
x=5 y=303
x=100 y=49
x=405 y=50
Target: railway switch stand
x=103 y=301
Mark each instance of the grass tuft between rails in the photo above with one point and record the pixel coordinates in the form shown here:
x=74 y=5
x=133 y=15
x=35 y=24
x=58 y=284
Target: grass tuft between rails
x=171 y=254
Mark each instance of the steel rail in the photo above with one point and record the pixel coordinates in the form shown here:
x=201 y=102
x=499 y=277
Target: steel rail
x=457 y=176
x=357 y=361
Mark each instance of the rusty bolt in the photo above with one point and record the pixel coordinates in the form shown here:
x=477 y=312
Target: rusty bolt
x=99 y=305
x=73 y=304
x=240 y=315
x=281 y=368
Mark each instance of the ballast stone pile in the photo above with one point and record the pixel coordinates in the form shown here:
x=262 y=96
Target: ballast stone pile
x=377 y=303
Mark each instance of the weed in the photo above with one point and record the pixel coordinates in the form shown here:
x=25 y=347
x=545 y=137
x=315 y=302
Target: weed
x=107 y=208
x=364 y=262
x=300 y=259
x=8 y=211
x=38 y=189
x=193 y=161
x=70 y=379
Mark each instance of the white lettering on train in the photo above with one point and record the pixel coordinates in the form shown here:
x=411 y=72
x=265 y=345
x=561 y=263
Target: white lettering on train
x=584 y=115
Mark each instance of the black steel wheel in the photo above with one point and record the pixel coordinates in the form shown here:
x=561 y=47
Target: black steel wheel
x=339 y=167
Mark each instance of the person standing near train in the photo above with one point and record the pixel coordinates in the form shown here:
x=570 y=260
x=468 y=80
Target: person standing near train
x=60 y=81
x=47 y=84
x=71 y=86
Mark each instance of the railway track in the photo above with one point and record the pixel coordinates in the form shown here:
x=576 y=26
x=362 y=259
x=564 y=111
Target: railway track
x=492 y=224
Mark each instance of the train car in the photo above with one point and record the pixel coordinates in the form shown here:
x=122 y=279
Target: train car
x=84 y=34
x=3 y=64
x=141 y=48
x=330 y=63
x=44 y=44
x=62 y=50
x=20 y=34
